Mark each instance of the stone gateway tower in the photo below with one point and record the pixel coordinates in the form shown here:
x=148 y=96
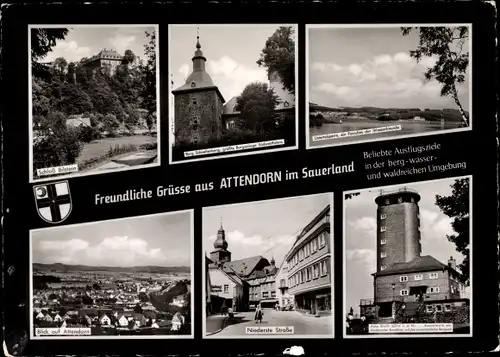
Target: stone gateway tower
x=198 y=105
x=398 y=227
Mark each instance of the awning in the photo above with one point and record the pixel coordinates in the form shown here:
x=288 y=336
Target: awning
x=322 y=296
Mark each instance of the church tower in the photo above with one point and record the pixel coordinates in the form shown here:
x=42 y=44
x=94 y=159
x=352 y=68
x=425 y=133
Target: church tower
x=198 y=105
x=220 y=253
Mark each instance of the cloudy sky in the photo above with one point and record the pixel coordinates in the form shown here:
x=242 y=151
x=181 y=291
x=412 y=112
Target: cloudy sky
x=88 y=41
x=266 y=228
x=231 y=53
x=372 y=67
x=163 y=240
x=361 y=230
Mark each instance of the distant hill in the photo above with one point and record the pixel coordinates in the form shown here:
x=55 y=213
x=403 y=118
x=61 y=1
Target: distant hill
x=136 y=269
x=397 y=113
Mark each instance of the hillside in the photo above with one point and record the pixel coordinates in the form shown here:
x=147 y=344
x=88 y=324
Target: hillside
x=396 y=113
x=136 y=269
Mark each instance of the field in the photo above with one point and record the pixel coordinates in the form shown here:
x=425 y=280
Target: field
x=100 y=147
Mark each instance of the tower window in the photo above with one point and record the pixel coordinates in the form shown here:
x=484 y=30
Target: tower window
x=433 y=275
x=403 y=292
x=383 y=229
x=403 y=279
x=383 y=255
x=226 y=288
x=383 y=241
x=383 y=216
x=418 y=277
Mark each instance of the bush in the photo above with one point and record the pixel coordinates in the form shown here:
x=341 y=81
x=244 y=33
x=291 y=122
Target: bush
x=87 y=134
x=57 y=148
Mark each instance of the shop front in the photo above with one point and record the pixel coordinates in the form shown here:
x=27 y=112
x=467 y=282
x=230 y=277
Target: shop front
x=316 y=302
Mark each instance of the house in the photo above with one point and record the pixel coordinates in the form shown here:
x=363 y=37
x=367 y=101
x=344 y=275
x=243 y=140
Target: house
x=57 y=318
x=77 y=120
x=177 y=321
x=122 y=321
x=40 y=315
x=105 y=320
x=48 y=318
x=139 y=318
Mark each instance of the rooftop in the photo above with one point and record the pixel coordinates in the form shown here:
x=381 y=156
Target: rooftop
x=419 y=264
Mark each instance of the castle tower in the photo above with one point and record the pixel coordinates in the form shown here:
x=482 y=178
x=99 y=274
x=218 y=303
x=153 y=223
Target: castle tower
x=198 y=105
x=398 y=227
x=220 y=254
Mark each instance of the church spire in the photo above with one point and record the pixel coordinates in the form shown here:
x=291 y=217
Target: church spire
x=198 y=46
x=198 y=59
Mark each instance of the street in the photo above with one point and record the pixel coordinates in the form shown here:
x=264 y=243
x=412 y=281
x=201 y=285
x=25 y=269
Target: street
x=303 y=324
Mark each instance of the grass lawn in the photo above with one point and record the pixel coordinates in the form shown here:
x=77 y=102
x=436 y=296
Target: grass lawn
x=100 y=147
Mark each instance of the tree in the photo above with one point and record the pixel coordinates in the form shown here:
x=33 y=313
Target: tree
x=143 y=297
x=278 y=56
x=128 y=57
x=446 y=43
x=349 y=196
x=149 y=70
x=42 y=41
x=257 y=104
x=456 y=206
x=74 y=100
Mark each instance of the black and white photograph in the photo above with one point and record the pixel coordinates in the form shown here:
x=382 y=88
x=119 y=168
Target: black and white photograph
x=93 y=99
x=124 y=278
x=233 y=90
x=407 y=260
x=268 y=275
x=380 y=82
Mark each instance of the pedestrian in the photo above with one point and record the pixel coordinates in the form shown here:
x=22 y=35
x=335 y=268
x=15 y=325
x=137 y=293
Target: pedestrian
x=258 y=314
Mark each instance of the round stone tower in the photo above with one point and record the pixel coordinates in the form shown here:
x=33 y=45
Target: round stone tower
x=398 y=227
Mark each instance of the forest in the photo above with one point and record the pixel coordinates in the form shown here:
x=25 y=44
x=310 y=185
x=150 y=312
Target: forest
x=104 y=101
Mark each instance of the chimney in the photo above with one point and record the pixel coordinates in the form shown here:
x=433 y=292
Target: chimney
x=452 y=263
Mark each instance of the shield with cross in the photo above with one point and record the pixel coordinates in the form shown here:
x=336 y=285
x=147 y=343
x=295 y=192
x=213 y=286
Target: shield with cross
x=53 y=201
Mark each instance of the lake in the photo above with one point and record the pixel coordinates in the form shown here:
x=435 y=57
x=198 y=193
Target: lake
x=407 y=128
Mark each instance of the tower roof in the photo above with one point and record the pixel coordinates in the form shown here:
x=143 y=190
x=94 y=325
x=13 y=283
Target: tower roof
x=221 y=242
x=400 y=192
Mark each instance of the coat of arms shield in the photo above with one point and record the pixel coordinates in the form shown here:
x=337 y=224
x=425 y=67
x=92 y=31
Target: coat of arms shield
x=53 y=201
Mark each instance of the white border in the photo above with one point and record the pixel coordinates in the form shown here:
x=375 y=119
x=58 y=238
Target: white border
x=402 y=335
x=244 y=153
x=274 y=336
x=117 y=337
x=30 y=105
x=394 y=137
